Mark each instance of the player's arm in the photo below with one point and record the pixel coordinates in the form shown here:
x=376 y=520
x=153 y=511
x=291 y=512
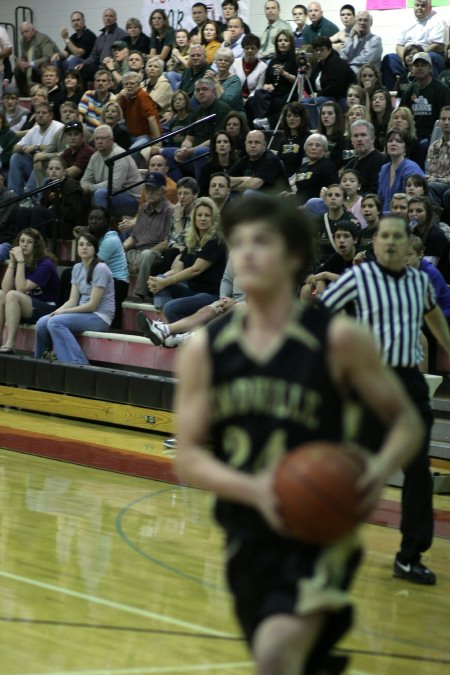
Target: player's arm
x=356 y=365
x=195 y=465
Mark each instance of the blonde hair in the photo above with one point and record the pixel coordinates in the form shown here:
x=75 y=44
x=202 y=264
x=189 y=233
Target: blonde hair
x=366 y=116
x=193 y=238
x=107 y=107
x=407 y=114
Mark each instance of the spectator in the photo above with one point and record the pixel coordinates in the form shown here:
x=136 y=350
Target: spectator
x=439 y=166
x=331 y=125
x=39 y=94
x=228 y=85
x=8 y=140
x=265 y=106
x=30 y=286
x=59 y=210
x=235 y=36
x=331 y=77
x=351 y=183
x=348 y=20
x=426 y=96
x=78 y=46
x=427 y=30
x=295 y=125
x=195 y=71
x=299 y=16
x=161 y=35
x=318 y=171
x=136 y=62
x=399 y=202
x=8 y=229
x=345 y=239
x=402 y=118
x=55 y=95
x=319 y=26
x=355 y=112
x=275 y=25
x=139 y=111
x=35 y=140
x=78 y=153
x=416 y=186
x=237 y=129
x=113 y=116
x=355 y=96
x=260 y=169
x=335 y=213
x=5 y=52
x=125 y=175
x=110 y=33
x=199 y=17
x=182 y=115
x=111 y=252
x=380 y=113
x=393 y=175
x=197 y=142
x=179 y=59
x=92 y=102
x=403 y=81
x=220 y=190
x=156 y=85
x=150 y=234
x=221 y=159
x=36 y=49
x=249 y=69
x=230 y=9
x=117 y=63
x=89 y=307
x=159 y=163
x=136 y=39
x=210 y=40
x=420 y=215
x=369 y=78
x=15 y=114
x=362 y=46
x=71 y=87
x=367 y=161
x=195 y=276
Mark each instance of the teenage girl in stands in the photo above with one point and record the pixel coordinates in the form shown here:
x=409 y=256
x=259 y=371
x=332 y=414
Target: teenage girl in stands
x=30 y=287
x=89 y=307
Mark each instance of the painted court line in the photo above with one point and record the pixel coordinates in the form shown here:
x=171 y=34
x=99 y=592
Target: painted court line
x=116 y=605
x=155 y=669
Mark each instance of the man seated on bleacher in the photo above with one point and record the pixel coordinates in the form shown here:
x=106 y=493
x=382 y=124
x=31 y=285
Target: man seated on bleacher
x=125 y=175
x=94 y=100
x=197 y=142
x=159 y=163
x=149 y=233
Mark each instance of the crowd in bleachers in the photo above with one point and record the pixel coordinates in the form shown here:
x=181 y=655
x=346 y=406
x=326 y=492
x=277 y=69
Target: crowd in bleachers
x=307 y=110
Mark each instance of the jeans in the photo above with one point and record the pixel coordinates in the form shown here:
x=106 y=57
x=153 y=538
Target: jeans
x=122 y=205
x=20 y=170
x=4 y=251
x=174 y=168
x=147 y=258
x=179 y=301
x=60 y=330
x=392 y=67
x=174 y=78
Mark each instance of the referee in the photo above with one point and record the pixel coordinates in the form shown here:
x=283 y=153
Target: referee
x=393 y=300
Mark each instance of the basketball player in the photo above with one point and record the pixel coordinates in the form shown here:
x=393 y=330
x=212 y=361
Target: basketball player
x=394 y=300
x=254 y=384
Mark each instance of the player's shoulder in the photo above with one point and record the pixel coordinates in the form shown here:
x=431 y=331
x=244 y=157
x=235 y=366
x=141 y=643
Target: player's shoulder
x=347 y=337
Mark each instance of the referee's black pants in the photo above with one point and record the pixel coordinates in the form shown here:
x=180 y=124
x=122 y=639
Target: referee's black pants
x=416 y=524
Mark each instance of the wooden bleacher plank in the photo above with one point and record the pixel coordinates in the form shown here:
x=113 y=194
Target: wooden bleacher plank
x=113 y=348
x=93 y=410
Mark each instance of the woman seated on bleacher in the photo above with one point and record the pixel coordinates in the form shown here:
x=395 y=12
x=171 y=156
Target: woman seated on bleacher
x=90 y=307
x=195 y=276
x=30 y=286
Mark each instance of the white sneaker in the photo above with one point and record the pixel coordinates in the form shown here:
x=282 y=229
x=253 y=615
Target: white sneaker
x=155 y=331
x=176 y=340
x=261 y=123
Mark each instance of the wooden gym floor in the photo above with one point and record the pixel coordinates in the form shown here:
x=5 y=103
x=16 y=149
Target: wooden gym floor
x=108 y=573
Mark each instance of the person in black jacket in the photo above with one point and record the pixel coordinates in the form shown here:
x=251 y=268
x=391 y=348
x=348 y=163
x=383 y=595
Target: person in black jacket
x=330 y=77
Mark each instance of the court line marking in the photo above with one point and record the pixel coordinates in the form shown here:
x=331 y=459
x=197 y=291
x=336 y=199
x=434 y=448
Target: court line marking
x=114 y=605
x=156 y=669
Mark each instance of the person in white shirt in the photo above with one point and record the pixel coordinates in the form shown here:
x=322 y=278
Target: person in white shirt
x=429 y=30
x=35 y=140
x=5 y=51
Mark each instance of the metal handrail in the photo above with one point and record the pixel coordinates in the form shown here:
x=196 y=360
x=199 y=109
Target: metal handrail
x=26 y=195
x=111 y=160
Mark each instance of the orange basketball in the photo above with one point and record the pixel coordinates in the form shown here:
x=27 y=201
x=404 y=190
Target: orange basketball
x=316 y=487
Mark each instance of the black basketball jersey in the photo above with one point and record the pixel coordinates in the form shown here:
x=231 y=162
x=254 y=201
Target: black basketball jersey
x=264 y=407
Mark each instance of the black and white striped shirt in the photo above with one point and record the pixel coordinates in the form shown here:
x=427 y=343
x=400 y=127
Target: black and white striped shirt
x=391 y=304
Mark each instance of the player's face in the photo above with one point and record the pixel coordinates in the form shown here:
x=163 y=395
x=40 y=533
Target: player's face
x=391 y=244
x=345 y=244
x=259 y=258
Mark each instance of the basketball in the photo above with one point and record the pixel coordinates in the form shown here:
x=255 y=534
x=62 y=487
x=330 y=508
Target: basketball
x=316 y=488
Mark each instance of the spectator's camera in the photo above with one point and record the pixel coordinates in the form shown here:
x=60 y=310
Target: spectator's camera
x=303 y=59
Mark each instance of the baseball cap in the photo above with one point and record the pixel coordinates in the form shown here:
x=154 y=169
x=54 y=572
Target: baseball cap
x=11 y=90
x=119 y=44
x=154 y=179
x=422 y=56
x=73 y=125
